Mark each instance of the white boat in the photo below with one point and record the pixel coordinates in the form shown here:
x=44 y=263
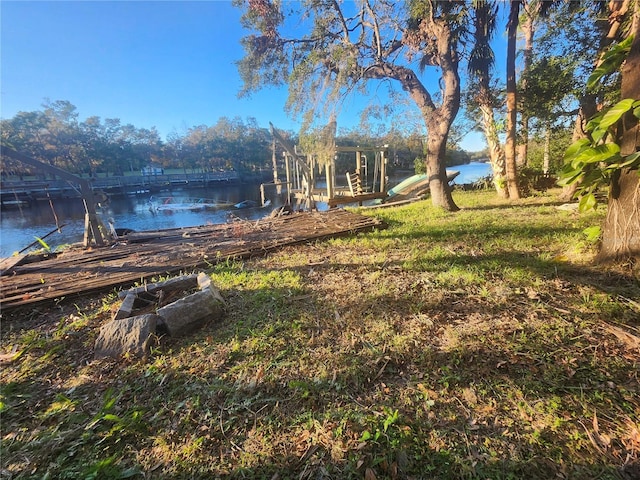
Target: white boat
x=252 y=204
x=169 y=204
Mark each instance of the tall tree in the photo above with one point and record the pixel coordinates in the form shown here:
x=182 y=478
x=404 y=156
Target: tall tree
x=481 y=61
x=549 y=96
x=531 y=10
x=348 y=44
x=570 y=35
x=512 y=104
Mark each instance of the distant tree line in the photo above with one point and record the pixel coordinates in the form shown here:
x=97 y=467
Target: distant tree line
x=95 y=146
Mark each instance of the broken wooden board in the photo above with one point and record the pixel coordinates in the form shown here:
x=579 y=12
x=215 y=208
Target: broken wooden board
x=164 y=252
x=8 y=264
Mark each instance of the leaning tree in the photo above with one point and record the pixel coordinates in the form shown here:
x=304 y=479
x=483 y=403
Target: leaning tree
x=331 y=49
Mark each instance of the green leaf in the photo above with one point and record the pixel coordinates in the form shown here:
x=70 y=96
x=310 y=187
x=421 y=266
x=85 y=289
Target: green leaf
x=627 y=161
x=595 y=77
x=593 y=177
x=111 y=417
x=612 y=162
x=594 y=122
x=611 y=61
x=598 y=134
x=615 y=113
x=109 y=403
x=596 y=154
x=592 y=233
x=576 y=148
x=587 y=202
x=569 y=177
x=636 y=110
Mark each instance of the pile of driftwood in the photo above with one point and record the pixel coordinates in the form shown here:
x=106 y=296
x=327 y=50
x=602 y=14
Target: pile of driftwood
x=143 y=255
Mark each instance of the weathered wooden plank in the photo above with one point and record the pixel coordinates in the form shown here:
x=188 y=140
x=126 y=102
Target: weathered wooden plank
x=7 y=264
x=73 y=273
x=362 y=197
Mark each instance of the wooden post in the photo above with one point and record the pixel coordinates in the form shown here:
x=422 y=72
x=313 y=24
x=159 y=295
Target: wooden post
x=333 y=174
x=288 y=173
x=383 y=171
x=275 y=168
x=328 y=171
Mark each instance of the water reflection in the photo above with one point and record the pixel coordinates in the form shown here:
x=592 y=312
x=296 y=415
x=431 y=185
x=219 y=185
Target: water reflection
x=20 y=227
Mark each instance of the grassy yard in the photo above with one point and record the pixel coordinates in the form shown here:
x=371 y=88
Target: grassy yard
x=481 y=344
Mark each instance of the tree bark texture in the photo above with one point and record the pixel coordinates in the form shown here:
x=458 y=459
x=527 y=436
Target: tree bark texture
x=512 y=109
x=438 y=121
x=531 y=10
x=621 y=232
x=496 y=152
x=436 y=169
x=587 y=109
x=439 y=124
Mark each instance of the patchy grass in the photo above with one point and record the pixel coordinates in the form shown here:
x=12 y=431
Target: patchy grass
x=480 y=344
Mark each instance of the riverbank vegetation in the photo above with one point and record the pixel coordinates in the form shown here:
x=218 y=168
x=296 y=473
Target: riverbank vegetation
x=480 y=344
x=96 y=147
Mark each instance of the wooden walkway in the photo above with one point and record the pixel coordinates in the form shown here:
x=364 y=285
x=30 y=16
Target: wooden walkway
x=146 y=254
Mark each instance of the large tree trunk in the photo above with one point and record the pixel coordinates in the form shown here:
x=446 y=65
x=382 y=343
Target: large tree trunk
x=531 y=10
x=621 y=232
x=510 y=144
x=438 y=120
x=438 y=131
x=496 y=153
x=436 y=166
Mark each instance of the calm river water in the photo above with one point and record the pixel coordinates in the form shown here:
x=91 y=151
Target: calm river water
x=19 y=228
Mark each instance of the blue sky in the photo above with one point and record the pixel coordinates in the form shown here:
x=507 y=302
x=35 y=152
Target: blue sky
x=165 y=64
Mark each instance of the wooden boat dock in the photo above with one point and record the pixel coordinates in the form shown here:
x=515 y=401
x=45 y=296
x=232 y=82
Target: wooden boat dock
x=142 y=255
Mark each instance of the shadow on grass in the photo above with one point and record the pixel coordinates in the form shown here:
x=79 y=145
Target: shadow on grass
x=272 y=391
x=469 y=410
